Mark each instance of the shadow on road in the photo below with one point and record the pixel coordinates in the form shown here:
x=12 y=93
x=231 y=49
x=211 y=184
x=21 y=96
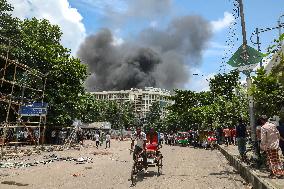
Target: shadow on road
x=230 y=175
x=142 y=176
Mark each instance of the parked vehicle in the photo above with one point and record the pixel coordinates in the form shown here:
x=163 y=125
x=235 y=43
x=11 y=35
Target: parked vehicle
x=182 y=138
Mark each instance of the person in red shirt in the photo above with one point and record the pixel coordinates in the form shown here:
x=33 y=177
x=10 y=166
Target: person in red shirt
x=233 y=136
x=227 y=134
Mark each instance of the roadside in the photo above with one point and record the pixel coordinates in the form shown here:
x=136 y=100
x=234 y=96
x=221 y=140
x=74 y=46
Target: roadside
x=262 y=173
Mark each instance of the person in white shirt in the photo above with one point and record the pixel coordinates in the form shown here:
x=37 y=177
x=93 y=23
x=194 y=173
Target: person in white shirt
x=97 y=139
x=108 y=140
x=140 y=138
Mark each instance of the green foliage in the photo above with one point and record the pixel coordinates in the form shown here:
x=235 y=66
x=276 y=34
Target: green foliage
x=267 y=93
x=224 y=85
x=92 y=110
x=153 y=117
x=222 y=105
x=37 y=43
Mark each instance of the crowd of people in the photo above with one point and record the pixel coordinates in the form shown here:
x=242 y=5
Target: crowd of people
x=267 y=143
x=21 y=135
x=59 y=137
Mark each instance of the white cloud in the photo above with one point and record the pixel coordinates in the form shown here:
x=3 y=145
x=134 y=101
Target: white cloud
x=117 y=41
x=153 y=24
x=102 y=6
x=222 y=23
x=215 y=49
x=57 y=12
x=217 y=45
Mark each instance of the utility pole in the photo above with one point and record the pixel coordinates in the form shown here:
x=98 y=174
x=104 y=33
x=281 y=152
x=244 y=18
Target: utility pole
x=279 y=25
x=245 y=57
x=258 y=43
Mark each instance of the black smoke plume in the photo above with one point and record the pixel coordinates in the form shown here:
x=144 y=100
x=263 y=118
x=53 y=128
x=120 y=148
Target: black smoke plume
x=156 y=58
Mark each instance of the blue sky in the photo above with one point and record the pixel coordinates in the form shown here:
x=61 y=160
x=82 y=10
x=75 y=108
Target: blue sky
x=85 y=17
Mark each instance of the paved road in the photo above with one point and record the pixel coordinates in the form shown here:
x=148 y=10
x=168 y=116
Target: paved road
x=184 y=167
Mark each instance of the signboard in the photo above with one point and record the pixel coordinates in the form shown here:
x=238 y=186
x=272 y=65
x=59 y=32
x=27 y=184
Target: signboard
x=251 y=60
x=34 y=109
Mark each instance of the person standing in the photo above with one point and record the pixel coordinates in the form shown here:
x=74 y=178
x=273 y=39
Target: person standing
x=233 y=136
x=218 y=134
x=53 y=137
x=227 y=134
x=270 y=144
x=258 y=141
x=108 y=140
x=102 y=135
x=281 y=132
x=161 y=138
x=241 y=131
x=97 y=139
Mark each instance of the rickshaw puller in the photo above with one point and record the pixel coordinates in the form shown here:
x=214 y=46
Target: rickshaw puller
x=140 y=147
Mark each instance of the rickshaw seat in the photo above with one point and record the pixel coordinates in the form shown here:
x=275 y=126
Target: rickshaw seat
x=152 y=147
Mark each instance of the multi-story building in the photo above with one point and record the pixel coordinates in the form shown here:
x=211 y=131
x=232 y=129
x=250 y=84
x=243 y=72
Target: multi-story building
x=141 y=99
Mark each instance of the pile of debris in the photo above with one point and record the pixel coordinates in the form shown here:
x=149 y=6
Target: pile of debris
x=47 y=159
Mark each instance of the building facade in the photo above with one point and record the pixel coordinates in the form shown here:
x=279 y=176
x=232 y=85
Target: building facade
x=142 y=99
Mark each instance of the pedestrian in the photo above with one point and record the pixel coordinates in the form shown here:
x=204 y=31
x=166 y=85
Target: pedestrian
x=107 y=140
x=218 y=134
x=233 y=136
x=101 y=138
x=161 y=139
x=53 y=137
x=97 y=139
x=26 y=135
x=80 y=136
x=227 y=134
x=241 y=132
x=270 y=144
x=169 y=139
x=281 y=132
x=258 y=141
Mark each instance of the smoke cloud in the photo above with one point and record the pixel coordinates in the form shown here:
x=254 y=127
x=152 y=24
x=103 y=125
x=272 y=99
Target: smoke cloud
x=156 y=58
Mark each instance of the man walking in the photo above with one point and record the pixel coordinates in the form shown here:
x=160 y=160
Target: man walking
x=97 y=139
x=108 y=140
x=241 y=138
x=270 y=144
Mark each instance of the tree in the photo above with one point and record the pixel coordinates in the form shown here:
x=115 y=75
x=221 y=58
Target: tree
x=37 y=43
x=9 y=27
x=223 y=105
x=43 y=51
x=224 y=85
x=267 y=93
x=153 y=117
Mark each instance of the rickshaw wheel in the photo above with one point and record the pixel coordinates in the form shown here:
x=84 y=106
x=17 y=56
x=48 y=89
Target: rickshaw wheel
x=133 y=175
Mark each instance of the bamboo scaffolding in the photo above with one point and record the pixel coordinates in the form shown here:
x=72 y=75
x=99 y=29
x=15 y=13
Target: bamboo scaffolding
x=10 y=99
